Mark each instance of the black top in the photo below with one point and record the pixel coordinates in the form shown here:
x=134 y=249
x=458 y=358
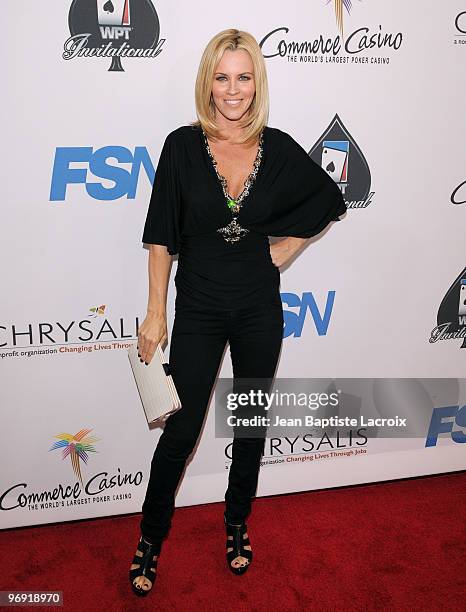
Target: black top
x=291 y=195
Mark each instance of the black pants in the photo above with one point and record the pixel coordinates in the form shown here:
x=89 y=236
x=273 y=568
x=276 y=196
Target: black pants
x=197 y=344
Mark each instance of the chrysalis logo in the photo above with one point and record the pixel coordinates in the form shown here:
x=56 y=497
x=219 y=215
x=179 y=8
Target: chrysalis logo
x=76 y=447
x=113 y=29
x=451 y=317
x=340 y=156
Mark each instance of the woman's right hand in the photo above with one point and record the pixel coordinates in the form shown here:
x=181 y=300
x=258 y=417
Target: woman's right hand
x=152 y=332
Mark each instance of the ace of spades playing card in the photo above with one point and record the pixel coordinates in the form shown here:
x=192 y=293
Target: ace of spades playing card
x=113 y=12
x=462 y=304
x=335 y=159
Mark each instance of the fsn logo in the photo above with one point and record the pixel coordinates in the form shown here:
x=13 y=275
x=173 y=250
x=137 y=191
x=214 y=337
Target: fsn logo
x=97 y=162
x=294 y=320
x=444 y=420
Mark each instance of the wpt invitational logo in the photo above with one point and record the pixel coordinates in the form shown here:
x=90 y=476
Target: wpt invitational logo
x=451 y=316
x=113 y=29
x=340 y=156
x=76 y=448
x=360 y=44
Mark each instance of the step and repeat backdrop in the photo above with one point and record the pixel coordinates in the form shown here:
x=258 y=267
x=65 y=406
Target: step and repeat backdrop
x=91 y=89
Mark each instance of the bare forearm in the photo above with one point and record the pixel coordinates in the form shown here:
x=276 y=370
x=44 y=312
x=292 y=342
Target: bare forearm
x=159 y=272
x=294 y=244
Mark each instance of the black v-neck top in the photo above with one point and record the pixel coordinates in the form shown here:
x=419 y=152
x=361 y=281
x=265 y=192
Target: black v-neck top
x=291 y=195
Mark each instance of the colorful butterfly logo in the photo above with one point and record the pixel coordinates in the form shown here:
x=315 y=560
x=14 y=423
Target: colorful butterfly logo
x=98 y=310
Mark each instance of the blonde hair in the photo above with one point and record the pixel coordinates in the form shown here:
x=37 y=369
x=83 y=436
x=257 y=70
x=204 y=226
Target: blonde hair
x=258 y=113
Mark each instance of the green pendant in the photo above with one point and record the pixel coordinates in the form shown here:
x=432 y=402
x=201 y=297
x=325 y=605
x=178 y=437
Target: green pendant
x=231 y=203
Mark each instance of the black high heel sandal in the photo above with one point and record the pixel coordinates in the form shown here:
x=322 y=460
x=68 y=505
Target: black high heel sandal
x=237 y=543
x=146 y=563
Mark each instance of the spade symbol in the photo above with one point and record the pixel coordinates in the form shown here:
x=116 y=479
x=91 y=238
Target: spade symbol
x=108 y=6
x=359 y=178
x=448 y=309
x=330 y=167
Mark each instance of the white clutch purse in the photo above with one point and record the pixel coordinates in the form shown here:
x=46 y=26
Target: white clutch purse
x=155 y=385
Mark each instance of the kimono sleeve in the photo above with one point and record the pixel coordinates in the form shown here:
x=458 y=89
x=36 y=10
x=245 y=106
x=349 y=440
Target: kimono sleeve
x=309 y=198
x=162 y=224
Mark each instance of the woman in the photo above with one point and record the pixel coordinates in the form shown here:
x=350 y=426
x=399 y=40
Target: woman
x=223 y=184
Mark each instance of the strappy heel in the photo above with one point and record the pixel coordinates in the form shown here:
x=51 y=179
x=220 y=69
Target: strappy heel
x=237 y=544
x=146 y=562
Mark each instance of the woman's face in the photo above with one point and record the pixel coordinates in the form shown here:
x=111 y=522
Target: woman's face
x=233 y=85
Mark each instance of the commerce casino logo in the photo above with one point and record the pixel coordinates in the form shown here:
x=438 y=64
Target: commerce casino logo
x=460 y=29
x=451 y=316
x=368 y=44
x=339 y=155
x=98 y=487
x=458 y=195
x=113 y=29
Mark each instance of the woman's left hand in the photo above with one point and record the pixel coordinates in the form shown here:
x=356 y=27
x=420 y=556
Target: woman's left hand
x=283 y=251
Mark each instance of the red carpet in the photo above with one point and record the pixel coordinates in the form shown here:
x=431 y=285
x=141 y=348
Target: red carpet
x=387 y=546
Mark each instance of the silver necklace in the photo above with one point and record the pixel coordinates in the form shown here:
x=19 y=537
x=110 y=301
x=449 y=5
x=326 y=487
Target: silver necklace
x=233 y=231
